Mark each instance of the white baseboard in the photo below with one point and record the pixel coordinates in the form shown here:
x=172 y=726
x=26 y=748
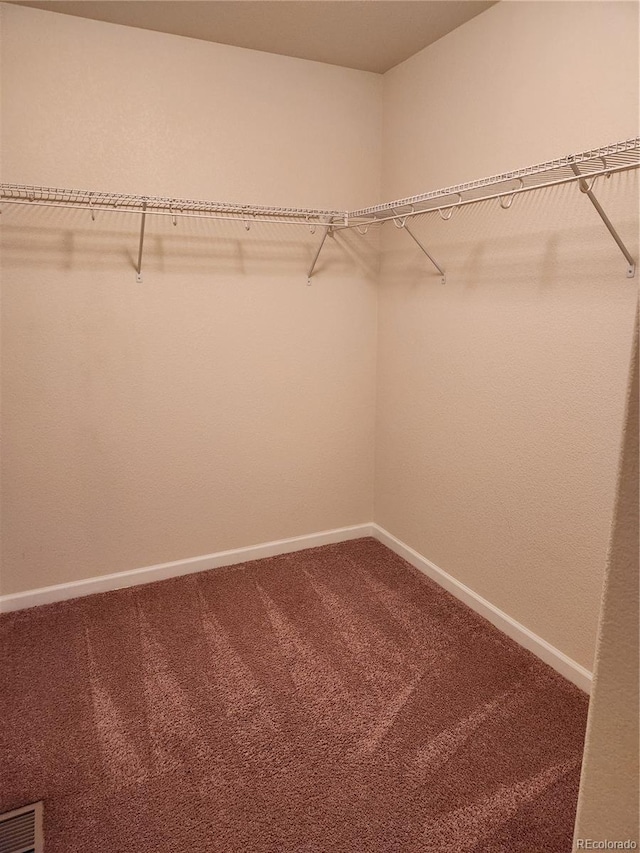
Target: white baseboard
x=563 y=664
x=76 y=589
x=149 y=574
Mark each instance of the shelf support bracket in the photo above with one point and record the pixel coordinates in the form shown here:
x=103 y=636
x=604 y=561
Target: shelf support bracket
x=587 y=190
x=433 y=261
x=141 y=244
x=328 y=230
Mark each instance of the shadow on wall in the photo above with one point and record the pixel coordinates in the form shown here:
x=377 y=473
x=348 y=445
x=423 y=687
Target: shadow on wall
x=548 y=238
x=542 y=237
x=62 y=239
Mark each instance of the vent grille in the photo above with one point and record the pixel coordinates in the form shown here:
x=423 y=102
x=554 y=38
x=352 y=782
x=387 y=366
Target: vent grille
x=21 y=830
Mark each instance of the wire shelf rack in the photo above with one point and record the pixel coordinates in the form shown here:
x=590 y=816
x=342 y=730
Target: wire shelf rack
x=617 y=157
x=159 y=206
x=585 y=168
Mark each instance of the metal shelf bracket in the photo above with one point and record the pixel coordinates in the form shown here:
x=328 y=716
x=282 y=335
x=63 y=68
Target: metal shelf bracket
x=431 y=258
x=328 y=231
x=587 y=189
x=141 y=244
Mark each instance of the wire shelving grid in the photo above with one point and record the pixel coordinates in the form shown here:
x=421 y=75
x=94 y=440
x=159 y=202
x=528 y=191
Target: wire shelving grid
x=585 y=168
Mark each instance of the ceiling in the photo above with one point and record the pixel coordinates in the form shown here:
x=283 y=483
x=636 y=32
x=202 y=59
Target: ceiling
x=372 y=35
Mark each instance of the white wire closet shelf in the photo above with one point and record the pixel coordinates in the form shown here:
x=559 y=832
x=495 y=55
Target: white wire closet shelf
x=158 y=206
x=585 y=168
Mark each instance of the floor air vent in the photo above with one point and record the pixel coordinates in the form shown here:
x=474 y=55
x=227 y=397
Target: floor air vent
x=21 y=830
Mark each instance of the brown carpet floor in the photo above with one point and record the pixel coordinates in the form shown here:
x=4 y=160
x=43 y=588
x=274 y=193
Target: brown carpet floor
x=329 y=700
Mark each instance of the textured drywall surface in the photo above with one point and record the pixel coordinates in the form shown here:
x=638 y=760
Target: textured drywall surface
x=222 y=402
x=501 y=394
x=608 y=802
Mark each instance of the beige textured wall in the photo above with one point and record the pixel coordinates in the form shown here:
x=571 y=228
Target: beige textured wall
x=501 y=394
x=608 y=802
x=222 y=402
